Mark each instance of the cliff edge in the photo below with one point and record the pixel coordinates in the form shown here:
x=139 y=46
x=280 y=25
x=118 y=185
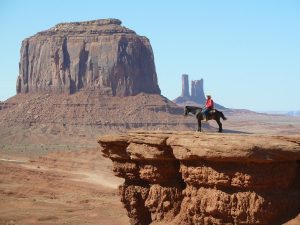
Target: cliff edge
x=190 y=178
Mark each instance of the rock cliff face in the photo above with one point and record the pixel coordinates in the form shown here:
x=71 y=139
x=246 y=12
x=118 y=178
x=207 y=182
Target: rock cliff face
x=185 y=86
x=190 y=178
x=197 y=91
x=96 y=55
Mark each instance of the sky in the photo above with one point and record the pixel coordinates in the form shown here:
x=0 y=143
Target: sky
x=247 y=51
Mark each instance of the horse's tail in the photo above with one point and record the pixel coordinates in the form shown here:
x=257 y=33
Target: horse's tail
x=222 y=115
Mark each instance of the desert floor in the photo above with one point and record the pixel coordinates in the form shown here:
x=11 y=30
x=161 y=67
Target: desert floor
x=73 y=187
x=77 y=187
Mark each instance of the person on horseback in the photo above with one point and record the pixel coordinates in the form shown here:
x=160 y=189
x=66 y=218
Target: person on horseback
x=209 y=105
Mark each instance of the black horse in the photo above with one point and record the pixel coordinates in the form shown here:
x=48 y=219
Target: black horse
x=213 y=115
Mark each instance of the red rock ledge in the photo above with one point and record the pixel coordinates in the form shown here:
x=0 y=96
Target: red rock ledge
x=194 y=178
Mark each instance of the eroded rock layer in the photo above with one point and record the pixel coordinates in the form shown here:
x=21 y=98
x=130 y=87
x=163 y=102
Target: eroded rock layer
x=189 y=178
x=98 y=55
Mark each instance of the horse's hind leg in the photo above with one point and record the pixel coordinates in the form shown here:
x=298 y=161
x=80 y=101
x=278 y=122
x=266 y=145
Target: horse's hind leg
x=220 y=126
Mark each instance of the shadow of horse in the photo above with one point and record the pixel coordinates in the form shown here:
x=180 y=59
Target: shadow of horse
x=213 y=115
x=235 y=132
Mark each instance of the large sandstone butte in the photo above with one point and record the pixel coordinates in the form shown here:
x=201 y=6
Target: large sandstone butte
x=98 y=55
x=188 y=178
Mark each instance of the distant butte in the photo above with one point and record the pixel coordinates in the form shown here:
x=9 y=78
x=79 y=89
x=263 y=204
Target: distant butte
x=99 y=55
x=197 y=97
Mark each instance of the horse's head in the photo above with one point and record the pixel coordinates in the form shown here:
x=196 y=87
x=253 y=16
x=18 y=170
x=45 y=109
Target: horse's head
x=191 y=109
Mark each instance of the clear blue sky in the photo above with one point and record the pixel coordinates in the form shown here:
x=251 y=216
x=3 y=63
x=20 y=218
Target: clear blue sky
x=247 y=52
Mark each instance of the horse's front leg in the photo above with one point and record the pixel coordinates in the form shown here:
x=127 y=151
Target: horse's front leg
x=199 y=124
x=220 y=126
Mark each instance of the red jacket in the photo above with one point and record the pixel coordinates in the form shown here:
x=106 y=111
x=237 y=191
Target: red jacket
x=209 y=104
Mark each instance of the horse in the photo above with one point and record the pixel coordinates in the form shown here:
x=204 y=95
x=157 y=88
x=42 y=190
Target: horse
x=213 y=115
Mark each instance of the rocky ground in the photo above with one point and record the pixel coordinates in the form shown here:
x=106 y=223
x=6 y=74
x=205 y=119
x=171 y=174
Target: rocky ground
x=55 y=122
x=48 y=177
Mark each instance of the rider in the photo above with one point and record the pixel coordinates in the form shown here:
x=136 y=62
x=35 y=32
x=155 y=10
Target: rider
x=209 y=105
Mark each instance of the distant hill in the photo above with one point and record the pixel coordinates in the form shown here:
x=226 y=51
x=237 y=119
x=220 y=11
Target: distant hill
x=293 y=113
x=86 y=114
x=287 y=113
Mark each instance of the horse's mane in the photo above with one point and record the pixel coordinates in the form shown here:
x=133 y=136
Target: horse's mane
x=193 y=107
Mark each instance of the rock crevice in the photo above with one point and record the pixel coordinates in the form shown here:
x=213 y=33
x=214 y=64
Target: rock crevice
x=188 y=178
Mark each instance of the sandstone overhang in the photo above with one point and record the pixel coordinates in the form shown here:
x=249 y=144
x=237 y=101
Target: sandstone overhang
x=194 y=178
